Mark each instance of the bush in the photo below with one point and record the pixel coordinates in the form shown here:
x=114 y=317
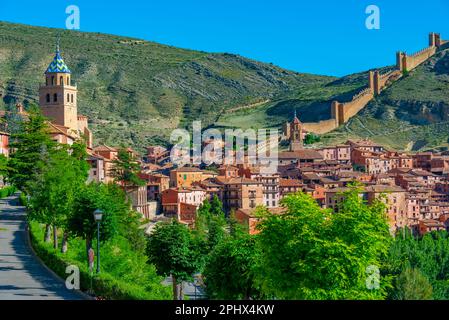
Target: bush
x=104 y=285
x=7 y=191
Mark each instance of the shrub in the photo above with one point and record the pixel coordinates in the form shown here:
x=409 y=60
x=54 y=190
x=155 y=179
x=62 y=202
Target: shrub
x=104 y=285
x=7 y=191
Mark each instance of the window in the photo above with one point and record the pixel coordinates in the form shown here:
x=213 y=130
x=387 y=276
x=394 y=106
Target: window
x=68 y=80
x=48 y=97
x=68 y=97
x=274 y=203
x=55 y=97
x=72 y=98
x=61 y=80
x=52 y=80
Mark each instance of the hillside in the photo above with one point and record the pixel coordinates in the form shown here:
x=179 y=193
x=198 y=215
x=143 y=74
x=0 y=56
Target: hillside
x=135 y=92
x=412 y=114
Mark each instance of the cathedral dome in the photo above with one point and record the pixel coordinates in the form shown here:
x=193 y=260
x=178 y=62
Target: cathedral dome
x=57 y=65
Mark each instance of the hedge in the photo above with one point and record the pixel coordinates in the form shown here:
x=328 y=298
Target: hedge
x=103 y=285
x=7 y=191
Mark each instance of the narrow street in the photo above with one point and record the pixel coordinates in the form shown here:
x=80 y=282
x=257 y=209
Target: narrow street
x=22 y=276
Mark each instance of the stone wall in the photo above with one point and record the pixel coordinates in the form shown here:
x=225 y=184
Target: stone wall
x=358 y=102
x=321 y=127
x=342 y=112
x=408 y=63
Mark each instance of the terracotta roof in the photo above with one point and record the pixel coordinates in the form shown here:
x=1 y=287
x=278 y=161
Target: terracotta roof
x=238 y=180
x=187 y=169
x=307 y=154
x=105 y=148
x=290 y=182
x=375 y=188
x=431 y=223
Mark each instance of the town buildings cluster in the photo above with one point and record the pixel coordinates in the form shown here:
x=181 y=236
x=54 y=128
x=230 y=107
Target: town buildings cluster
x=414 y=186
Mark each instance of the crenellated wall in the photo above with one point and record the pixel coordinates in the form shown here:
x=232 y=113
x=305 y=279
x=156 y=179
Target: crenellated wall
x=321 y=127
x=342 y=112
x=408 y=63
x=358 y=102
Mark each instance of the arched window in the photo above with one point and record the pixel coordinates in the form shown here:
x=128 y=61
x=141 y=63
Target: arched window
x=48 y=97
x=61 y=80
x=68 y=80
x=72 y=98
x=52 y=80
x=68 y=97
x=55 y=97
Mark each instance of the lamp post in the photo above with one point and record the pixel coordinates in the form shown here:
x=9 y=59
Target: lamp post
x=98 y=215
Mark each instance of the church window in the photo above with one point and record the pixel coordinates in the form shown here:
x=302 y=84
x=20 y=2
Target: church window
x=55 y=97
x=72 y=98
x=48 y=97
x=68 y=97
x=61 y=81
x=52 y=80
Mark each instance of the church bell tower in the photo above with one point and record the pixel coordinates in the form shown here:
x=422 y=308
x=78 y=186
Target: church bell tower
x=296 y=134
x=57 y=98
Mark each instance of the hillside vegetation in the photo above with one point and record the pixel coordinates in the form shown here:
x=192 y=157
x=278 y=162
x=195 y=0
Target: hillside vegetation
x=412 y=114
x=136 y=92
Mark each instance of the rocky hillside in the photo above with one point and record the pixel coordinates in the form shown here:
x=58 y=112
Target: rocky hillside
x=135 y=92
x=413 y=114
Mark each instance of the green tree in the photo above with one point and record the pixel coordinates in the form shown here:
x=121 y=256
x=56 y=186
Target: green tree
x=229 y=271
x=126 y=169
x=429 y=254
x=108 y=198
x=31 y=148
x=412 y=285
x=216 y=207
x=310 y=138
x=54 y=191
x=170 y=249
x=312 y=253
x=3 y=166
x=209 y=229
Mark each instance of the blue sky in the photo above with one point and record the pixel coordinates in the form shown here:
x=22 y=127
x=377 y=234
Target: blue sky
x=322 y=37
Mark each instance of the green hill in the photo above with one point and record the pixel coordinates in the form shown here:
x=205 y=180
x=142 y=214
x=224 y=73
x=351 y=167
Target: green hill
x=412 y=114
x=136 y=92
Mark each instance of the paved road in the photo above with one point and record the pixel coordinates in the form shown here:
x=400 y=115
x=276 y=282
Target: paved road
x=22 y=276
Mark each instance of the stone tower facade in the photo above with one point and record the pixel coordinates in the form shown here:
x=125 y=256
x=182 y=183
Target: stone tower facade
x=57 y=98
x=296 y=142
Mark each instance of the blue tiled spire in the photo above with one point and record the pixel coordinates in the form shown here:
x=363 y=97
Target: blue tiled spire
x=58 y=64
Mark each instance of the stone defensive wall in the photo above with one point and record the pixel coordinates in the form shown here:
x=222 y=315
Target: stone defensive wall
x=321 y=127
x=408 y=63
x=342 y=112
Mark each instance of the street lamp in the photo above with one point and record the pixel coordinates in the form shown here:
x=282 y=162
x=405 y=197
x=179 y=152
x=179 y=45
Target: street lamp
x=98 y=215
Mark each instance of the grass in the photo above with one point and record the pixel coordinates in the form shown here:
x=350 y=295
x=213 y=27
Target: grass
x=124 y=275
